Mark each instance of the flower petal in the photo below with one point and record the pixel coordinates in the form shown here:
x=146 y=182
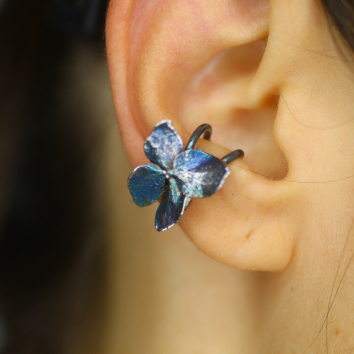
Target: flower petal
x=162 y=146
x=172 y=207
x=199 y=174
x=146 y=184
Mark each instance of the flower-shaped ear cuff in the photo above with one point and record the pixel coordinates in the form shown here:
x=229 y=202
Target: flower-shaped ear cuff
x=178 y=176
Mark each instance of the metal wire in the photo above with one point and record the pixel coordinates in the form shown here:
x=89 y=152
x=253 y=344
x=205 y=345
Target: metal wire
x=232 y=156
x=205 y=129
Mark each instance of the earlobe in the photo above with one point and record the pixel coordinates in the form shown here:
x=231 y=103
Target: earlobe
x=157 y=52
x=249 y=224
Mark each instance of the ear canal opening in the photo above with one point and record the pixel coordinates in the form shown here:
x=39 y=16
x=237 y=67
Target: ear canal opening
x=219 y=94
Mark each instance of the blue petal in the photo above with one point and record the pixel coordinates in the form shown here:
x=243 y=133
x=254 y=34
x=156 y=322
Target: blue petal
x=172 y=207
x=199 y=174
x=162 y=146
x=146 y=184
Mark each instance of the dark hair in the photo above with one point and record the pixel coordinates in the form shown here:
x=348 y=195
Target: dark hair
x=341 y=13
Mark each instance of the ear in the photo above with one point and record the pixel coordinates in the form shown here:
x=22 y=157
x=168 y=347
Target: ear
x=197 y=62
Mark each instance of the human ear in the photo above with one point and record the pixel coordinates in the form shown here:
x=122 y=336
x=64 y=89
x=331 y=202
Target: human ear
x=197 y=62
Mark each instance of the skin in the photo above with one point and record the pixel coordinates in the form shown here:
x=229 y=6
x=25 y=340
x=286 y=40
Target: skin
x=271 y=80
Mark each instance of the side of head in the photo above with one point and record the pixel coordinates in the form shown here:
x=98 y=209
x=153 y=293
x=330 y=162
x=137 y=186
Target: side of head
x=269 y=79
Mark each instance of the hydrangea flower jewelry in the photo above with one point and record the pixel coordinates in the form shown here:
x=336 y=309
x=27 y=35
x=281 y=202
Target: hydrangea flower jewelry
x=178 y=175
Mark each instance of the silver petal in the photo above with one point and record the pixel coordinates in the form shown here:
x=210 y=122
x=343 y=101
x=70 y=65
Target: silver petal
x=162 y=146
x=172 y=206
x=199 y=174
x=146 y=184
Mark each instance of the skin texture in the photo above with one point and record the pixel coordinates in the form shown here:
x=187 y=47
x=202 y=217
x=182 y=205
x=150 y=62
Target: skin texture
x=271 y=80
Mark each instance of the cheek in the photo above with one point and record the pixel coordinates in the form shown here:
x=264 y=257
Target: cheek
x=315 y=130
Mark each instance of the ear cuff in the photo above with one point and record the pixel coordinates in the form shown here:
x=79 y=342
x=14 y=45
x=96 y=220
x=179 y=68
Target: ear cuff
x=177 y=175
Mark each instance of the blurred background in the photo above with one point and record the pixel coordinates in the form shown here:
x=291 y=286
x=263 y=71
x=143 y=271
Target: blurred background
x=57 y=127
x=82 y=269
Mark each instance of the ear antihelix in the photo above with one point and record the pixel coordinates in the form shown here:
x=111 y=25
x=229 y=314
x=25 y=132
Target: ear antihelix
x=229 y=97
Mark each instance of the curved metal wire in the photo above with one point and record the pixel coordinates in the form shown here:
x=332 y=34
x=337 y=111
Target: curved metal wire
x=232 y=156
x=205 y=129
